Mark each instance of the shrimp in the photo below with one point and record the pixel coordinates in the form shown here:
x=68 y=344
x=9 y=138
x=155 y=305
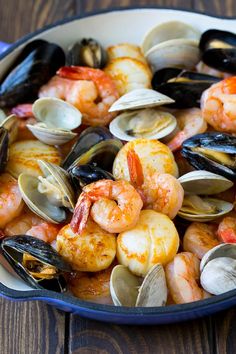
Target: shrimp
x=159 y=191
x=25 y=116
x=227 y=230
x=218 y=104
x=90 y=90
x=11 y=202
x=182 y=276
x=190 y=122
x=125 y=50
x=114 y=205
x=23 y=110
x=199 y=238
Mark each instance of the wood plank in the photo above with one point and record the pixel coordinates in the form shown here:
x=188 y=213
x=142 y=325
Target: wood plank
x=216 y=7
x=21 y=17
x=31 y=327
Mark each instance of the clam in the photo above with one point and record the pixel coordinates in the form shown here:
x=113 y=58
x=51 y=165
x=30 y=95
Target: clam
x=129 y=290
x=166 y=31
x=34 y=66
x=147 y=123
x=87 y=52
x=184 y=87
x=197 y=184
x=57 y=119
x=222 y=250
x=212 y=151
x=2 y=115
x=48 y=196
x=36 y=262
x=140 y=98
x=4 y=141
x=10 y=123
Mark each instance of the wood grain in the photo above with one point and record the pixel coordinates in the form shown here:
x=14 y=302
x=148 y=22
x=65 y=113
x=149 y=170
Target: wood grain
x=216 y=7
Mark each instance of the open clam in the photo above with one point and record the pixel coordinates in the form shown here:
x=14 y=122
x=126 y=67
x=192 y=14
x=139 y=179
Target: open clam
x=4 y=141
x=48 y=196
x=140 y=98
x=57 y=119
x=10 y=123
x=147 y=123
x=196 y=206
x=129 y=290
x=36 y=262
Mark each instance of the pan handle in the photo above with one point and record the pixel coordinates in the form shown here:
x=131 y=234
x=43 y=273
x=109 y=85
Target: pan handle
x=3 y=46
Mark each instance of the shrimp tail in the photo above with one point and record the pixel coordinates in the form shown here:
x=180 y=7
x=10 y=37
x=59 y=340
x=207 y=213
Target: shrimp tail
x=81 y=213
x=70 y=72
x=177 y=141
x=23 y=110
x=136 y=172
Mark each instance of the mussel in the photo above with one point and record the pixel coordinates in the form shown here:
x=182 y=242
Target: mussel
x=219 y=50
x=184 y=87
x=36 y=262
x=4 y=140
x=35 y=65
x=212 y=151
x=87 y=52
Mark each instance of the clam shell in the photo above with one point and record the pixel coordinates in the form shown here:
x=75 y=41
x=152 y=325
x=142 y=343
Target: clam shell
x=222 y=206
x=219 y=275
x=140 y=98
x=38 y=202
x=2 y=115
x=62 y=179
x=181 y=53
x=124 y=286
x=204 y=182
x=166 y=31
x=56 y=113
x=222 y=250
x=149 y=123
x=10 y=123
x=51 y=136
x=153 y=291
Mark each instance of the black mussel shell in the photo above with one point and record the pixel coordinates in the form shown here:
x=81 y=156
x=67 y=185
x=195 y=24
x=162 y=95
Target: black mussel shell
x=4 y=141
x=13 y=249
x=87 y=52
x=86 y=174
x=36 y=64
x=219 y=50
x=185 y=87
x=214 y=152
x=87 y=139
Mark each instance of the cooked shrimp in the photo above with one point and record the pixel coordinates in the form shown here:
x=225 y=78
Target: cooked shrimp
x=25 y=116
x=190 y=123
x=182 y=276
x=90 y=90
x=11 y=202
x=160 y=191
x=45 y=231
x=218 y=104
x=129 y=74
x=114 y=205
x=125 y=50
x=23 y=110
x=199 y=238
x=227 y=230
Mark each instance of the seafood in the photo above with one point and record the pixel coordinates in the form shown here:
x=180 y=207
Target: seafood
x=85 y=87
x=182 y=275
x=227 y=230
x=125 y=50
x=114 y=205
x=4 y=142
x=190 y=123
x=11 y=202
x=199 y=238
x=91 y=251
x=153 y=240
x=218 y=105
x=86 y=174
x=160 y=192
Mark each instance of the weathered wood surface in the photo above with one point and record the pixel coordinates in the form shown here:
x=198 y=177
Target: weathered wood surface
x=35 y=327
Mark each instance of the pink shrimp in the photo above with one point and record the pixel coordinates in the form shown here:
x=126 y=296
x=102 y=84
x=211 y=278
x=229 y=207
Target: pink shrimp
x=227 y=230
x=90 y=90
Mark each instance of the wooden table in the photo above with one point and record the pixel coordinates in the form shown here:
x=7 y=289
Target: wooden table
x=34 y=327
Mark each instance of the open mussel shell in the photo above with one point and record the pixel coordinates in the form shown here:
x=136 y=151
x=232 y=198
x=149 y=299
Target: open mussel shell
x=204 y=182
x=35 y=65
x=222 y=250
x=87 y=52
x=87 y=139
x=147 y=123
x=212 y=151
x=51 y=136
x=140 y=98
x=85 y=174
x=4 y=142
x=180 y=53
x=41 y=257
x=10 y=123
x=167 y=31
x=129 y=290
x=39 y=202
x=184 y=87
